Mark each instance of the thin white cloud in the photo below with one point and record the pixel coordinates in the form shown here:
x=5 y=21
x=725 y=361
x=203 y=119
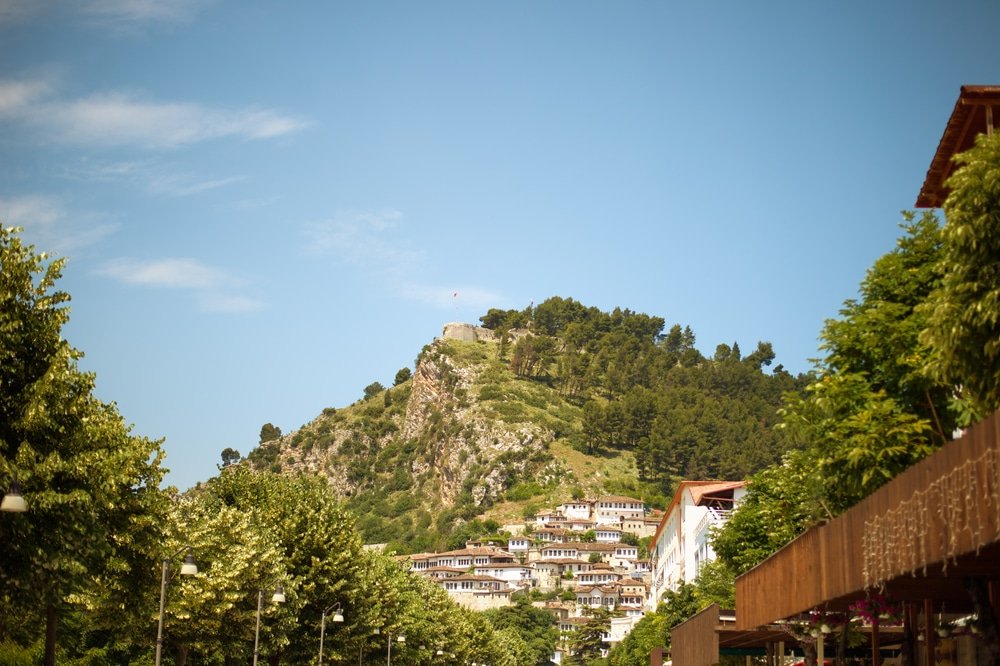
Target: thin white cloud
x=17 y=95
x=142 y=11
x=117 y=13
x=363 y=238
x=369 y=240
x=155 y=177
x=114 y=119
x=120 y=119
x=171 y=273
x=214 y=290
x=468 y=296
x=182 y=185
x=48 y=225
x=228 y=303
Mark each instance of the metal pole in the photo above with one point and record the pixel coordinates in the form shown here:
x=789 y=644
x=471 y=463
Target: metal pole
x=256 y=635
x=388 y=652
x=322 y=630
x=163 y=601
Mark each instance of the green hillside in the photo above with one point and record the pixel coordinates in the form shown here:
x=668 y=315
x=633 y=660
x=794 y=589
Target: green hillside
x=550 y=402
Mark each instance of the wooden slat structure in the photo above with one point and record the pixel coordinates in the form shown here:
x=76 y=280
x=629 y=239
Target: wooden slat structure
x=977 y=111
x=914 y=539
x=695 y=642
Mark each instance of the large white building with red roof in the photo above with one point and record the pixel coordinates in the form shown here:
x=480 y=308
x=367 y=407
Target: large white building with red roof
x=682 y=542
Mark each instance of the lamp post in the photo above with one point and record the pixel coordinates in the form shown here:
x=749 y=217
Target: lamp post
x=337 y=617
x=277 y=598
x=13 y=501
x=189 y=568
x=401 y=639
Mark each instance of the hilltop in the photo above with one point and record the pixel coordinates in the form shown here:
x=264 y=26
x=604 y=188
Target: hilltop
x=534 y=407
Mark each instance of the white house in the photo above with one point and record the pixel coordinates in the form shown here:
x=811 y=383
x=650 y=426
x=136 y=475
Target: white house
x=608 y=534
x=518 y=544
x=515 y=575
x=613 y=509
x=576 y=510
x=682 y=541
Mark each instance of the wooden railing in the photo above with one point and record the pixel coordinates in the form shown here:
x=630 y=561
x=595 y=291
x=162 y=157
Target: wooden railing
x=913 y=538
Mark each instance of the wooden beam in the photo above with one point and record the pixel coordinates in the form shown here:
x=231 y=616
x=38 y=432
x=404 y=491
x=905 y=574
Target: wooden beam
x=876 y=648
x=930 y=637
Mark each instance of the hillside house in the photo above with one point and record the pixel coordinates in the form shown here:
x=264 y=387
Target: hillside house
x=551 y=535
x=576 y=510
x=514 y=575
x=599 y=575
x=608 y=534
x=613 y=509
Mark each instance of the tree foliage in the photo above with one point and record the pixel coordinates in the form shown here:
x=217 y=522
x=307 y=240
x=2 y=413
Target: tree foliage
x=535 y=626
x=92 y=487
x=871 y=412
x=269 y=432
x=964 y=312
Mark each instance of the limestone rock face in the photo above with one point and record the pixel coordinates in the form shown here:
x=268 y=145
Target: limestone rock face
x=458 y=443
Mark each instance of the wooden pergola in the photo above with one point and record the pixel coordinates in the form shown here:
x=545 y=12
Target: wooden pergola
x=929 y=538
x=977 y=111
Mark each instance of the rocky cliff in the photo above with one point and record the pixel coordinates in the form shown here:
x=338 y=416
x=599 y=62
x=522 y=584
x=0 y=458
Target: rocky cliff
x=454 y=436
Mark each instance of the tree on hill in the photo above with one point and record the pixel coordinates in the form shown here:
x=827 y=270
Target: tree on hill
x=402 y=375
x=269 y=432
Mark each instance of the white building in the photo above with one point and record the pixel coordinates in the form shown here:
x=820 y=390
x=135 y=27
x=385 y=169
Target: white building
x=576 y=510
x=682 y=541
x=613 y=509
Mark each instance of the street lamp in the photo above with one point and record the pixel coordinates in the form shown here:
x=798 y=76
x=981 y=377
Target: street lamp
x=189 y=568
x=13 y=501
x=277 y=598
x=337 y=617
x=401 y=639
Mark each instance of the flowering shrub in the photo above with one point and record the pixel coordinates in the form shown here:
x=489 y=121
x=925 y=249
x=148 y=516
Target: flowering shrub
x=878 y=606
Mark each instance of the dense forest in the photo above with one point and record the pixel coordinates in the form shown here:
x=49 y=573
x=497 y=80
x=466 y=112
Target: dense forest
x=640 y=389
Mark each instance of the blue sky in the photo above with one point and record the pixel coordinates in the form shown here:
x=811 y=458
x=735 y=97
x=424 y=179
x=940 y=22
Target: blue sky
x=267 y=206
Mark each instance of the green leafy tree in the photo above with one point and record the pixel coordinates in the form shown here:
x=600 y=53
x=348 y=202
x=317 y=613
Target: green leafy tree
x=878 y=334
x=963 y=325
x=402 y=375
x=212 y=615
x=373 y=390
x=587 y=640
x=230 y=456
x=535 y=626
x=781 y=502
x=81 y=471
x=269 y=432
x=649 y=633
x=316 y=536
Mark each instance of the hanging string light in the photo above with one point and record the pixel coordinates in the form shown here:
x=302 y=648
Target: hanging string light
x=959 y=503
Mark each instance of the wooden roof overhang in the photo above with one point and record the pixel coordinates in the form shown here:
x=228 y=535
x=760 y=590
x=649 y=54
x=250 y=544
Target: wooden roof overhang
x=702 y=638
x=914 y=539
x=977 y=111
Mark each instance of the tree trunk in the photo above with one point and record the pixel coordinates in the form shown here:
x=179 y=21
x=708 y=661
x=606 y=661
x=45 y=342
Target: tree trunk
x=272 y=660
x=182 y=655
x=908 y=655
x=809 y=650
x=50 y=635
x=976 y=587
x=842 y=641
